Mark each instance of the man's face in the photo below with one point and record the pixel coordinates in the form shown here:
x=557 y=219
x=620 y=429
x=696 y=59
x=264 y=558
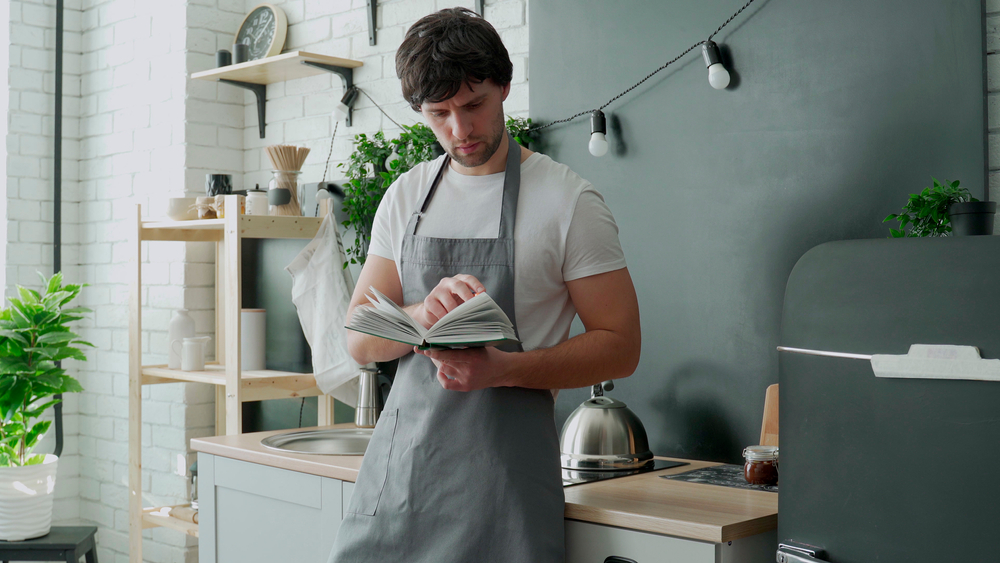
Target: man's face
x=469 y=125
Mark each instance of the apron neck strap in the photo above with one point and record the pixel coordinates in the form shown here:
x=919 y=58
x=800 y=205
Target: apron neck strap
x=511 y=188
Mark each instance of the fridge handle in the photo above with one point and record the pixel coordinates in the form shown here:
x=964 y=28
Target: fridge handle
x=795 y=552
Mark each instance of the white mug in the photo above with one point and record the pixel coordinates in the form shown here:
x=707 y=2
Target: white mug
x=192 y=352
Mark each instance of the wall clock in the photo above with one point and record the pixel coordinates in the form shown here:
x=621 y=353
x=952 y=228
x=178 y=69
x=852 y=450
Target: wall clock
x=264 y=30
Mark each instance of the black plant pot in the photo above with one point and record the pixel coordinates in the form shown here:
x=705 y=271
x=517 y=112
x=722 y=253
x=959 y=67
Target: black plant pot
x=972 y=217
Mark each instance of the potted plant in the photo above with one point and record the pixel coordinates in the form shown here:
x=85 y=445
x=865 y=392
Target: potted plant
x=34 y=338
x=938 y=210
x=373 y=166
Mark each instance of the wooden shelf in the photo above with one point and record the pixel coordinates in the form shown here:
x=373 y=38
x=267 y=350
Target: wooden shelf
x=250 y=226
x=254 y=385
x=157 y=516
x=286 y=66
x=233 y=387
x=256 y=75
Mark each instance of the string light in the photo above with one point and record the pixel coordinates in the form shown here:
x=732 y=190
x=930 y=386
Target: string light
x=598 y=128
x=718 y=77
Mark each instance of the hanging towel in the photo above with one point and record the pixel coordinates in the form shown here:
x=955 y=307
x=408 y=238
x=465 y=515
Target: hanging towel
x=321 y=292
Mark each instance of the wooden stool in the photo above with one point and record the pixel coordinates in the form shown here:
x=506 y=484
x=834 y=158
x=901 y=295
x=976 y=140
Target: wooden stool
x=62 y=543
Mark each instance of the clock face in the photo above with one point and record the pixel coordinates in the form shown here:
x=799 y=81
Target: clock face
x=258 y=32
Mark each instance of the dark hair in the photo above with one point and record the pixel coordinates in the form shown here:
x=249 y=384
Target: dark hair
x=446 y=49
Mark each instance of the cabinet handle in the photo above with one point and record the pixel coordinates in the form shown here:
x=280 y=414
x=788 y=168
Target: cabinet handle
x=616 y=559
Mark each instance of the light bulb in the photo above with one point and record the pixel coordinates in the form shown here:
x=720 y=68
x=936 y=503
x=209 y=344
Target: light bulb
x=598 y=144
x=340 y=111
x=598 y=128
x=718 y=76
x=343 y=108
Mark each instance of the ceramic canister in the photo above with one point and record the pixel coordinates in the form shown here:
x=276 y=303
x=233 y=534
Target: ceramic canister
x=252 y=339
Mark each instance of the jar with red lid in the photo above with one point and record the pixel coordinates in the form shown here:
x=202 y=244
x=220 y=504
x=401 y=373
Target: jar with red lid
x=761 y=466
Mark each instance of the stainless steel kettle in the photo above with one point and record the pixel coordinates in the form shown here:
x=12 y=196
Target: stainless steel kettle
x=603 y=434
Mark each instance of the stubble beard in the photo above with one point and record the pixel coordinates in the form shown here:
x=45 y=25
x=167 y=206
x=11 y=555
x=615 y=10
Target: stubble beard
x=478 y=159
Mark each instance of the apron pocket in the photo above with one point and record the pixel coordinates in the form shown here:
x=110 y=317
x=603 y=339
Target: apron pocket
x=375 y=467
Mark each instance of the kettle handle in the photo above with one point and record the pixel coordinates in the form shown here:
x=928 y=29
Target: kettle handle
x=600 y=388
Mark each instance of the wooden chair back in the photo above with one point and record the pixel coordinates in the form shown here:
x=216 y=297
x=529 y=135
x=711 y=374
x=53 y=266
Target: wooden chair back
x=769 y=426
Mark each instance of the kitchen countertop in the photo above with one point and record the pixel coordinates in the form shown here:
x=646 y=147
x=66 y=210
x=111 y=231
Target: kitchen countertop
x=642 y=502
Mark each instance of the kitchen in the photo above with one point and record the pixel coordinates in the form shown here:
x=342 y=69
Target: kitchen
x=833 y=116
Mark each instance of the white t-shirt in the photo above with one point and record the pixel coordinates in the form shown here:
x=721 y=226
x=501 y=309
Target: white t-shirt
x=563 y=231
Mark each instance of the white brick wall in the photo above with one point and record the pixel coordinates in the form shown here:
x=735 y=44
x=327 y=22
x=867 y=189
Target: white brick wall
x=135 y=147
x=29 y=171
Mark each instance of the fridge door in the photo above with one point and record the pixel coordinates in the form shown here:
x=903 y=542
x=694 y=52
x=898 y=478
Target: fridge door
x=879 y=469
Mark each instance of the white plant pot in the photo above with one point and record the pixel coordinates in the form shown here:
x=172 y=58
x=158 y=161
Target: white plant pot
x=26 y=498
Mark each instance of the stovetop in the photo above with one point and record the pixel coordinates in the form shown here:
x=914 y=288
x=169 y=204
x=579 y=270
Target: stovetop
x=574 y=477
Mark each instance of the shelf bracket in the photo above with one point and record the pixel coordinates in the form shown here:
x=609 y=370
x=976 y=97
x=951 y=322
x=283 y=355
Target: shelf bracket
x=372 y=8
x=260 y=90
x=480 y=8
x=346 y=75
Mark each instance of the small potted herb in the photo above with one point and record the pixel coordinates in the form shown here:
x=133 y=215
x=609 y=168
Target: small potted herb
x=942 y=209
x=34 y=337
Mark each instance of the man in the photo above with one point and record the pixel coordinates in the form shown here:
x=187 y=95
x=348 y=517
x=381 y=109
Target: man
x=464 y=463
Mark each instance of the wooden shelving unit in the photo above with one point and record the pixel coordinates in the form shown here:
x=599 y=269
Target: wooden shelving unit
x=232 y=385
x=256 y=75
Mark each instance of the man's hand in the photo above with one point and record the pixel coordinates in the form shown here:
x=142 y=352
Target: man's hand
x=448 y=294
x=470 y=369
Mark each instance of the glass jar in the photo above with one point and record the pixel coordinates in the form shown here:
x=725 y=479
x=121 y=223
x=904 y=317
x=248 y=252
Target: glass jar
x=206 y=207
x=287 y=180
x=220 y=205
x=761 y=466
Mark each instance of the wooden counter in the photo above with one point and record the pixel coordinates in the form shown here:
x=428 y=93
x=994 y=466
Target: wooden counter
x=644 y=502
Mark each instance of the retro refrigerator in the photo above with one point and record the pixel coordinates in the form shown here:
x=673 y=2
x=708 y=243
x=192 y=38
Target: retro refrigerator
x=889 y=470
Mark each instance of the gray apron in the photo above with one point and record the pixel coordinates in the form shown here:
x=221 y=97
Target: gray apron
x=451 y=476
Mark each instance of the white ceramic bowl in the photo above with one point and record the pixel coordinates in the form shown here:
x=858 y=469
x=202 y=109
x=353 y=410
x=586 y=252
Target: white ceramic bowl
x=182 y=208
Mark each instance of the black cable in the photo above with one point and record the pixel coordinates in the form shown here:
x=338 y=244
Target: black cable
x=731 y=18
x=329 y=154
x=380 y=108
x=648 y=76
x=301 y=408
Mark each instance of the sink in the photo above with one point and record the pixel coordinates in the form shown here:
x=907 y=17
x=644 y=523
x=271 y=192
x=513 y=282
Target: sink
x=333 y=441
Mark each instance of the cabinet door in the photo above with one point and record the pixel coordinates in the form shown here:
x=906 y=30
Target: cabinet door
x=263 y=514
x=593 y=543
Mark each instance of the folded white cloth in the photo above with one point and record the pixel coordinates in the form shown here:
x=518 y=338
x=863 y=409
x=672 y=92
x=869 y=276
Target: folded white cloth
x=321 y=292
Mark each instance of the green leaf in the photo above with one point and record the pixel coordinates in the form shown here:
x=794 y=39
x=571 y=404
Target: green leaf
x=36 y=432
x=27 y=295
x=56 y=338
x=54 y=283
x=37 y=459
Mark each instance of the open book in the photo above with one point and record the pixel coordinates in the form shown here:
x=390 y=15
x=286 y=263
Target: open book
x=477 y=322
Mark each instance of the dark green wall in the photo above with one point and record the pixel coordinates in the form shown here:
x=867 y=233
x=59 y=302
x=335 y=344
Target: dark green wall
x=837 y=111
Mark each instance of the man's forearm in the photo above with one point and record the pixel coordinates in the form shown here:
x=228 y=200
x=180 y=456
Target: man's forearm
x=365 y=348
x=581 y=361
